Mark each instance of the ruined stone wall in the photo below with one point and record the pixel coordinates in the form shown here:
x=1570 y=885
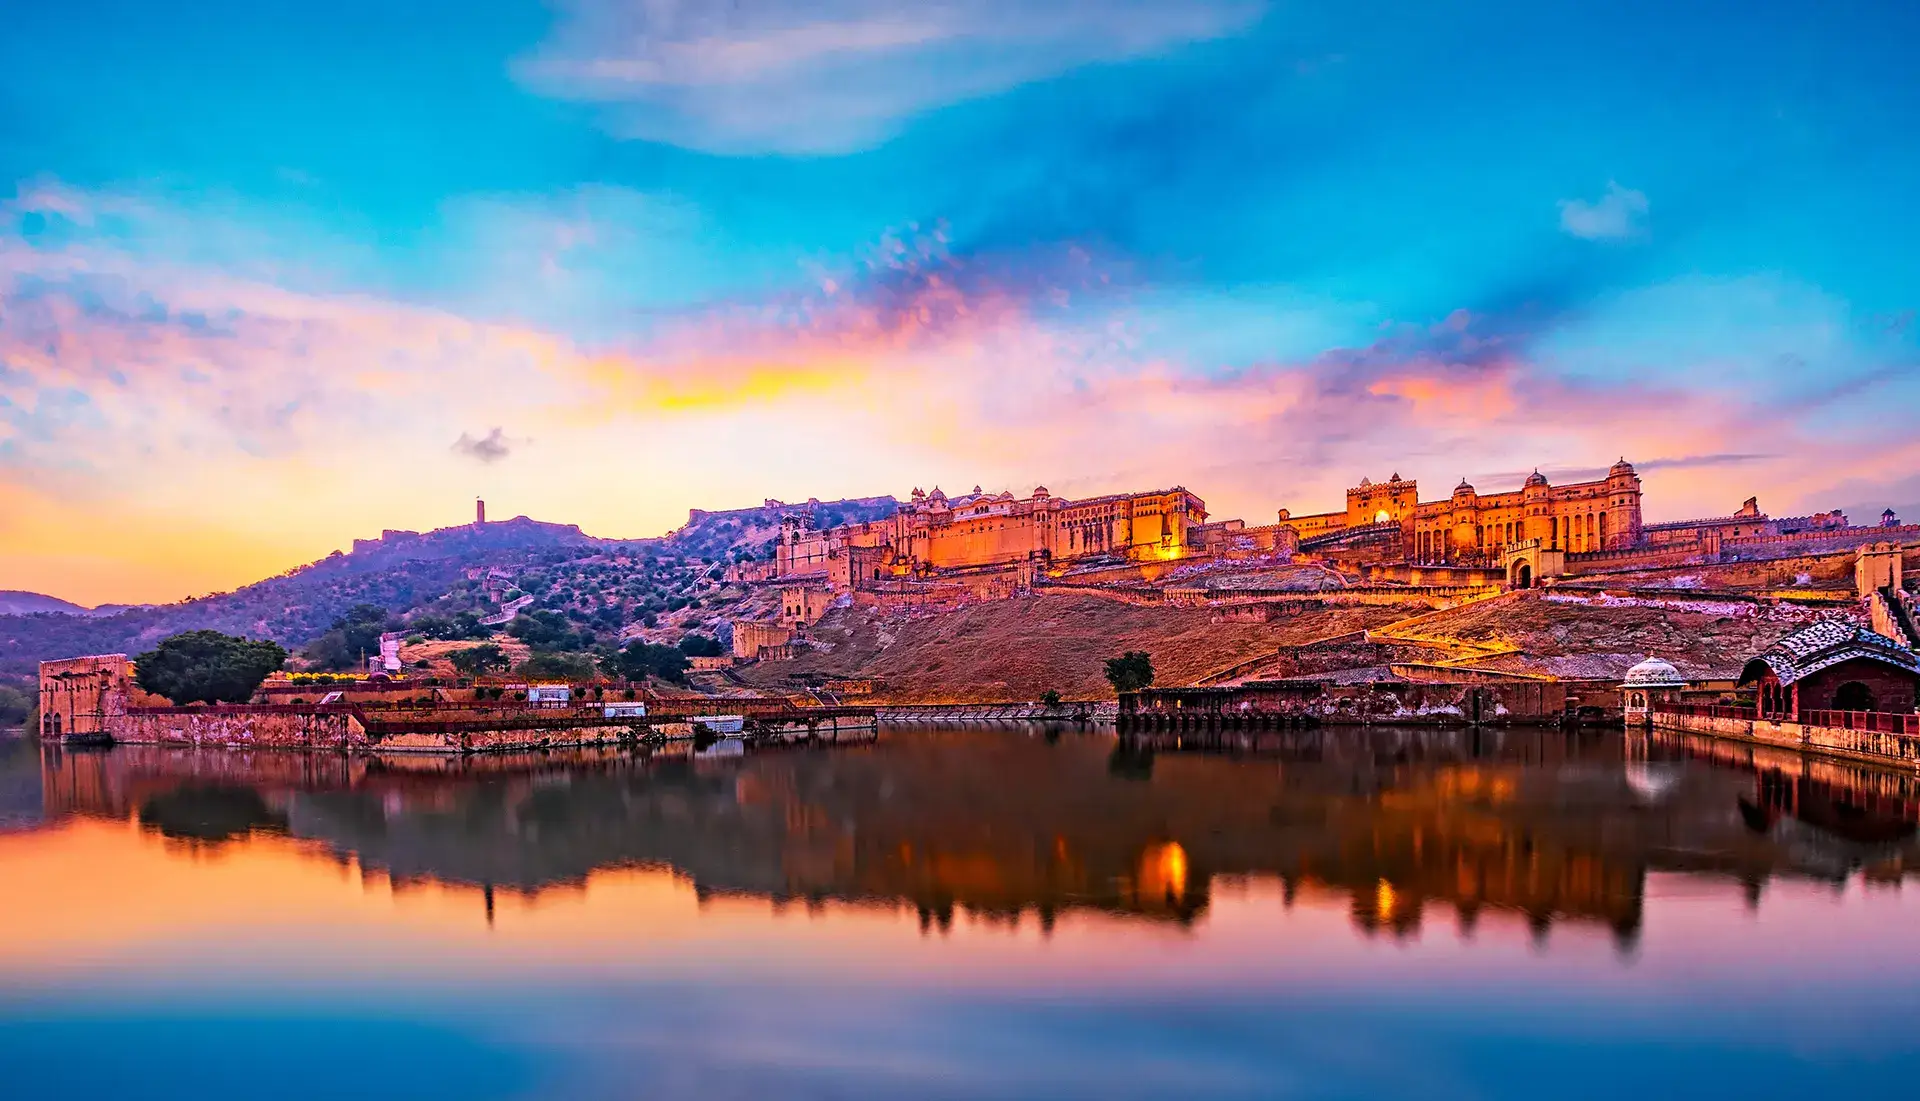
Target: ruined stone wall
x=803 y=605
x=750 y=638
x=247 y=726
x=80 y=696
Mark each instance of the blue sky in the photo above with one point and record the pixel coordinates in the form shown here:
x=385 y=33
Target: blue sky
x=850 y=246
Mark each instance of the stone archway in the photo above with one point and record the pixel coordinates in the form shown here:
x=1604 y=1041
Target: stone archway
x=1528 y=564
x=1853 y=696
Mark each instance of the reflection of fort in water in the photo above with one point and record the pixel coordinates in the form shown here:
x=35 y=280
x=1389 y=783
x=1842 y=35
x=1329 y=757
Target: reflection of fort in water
x=1003 y=823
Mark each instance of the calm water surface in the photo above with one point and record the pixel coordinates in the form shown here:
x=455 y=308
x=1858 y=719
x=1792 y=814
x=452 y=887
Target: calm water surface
x=963 y=913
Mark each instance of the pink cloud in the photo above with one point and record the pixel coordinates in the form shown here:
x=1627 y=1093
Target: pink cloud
x=133 y=383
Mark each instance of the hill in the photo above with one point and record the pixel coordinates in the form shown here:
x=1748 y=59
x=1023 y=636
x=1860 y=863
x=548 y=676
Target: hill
x=15 y=602
x=584 y=591
x=745 y=533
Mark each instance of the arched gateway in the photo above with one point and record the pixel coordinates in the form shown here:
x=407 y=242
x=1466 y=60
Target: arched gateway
x=1529 y=563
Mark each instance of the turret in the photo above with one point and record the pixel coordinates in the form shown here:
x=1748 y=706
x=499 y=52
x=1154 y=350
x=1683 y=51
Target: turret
x=1622 y=530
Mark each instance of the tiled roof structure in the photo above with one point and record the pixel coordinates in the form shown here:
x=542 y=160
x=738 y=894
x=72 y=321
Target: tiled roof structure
x=1827 y=643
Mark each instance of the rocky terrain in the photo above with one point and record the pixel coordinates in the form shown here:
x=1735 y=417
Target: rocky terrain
x=1019 y=649
x=1594 y=635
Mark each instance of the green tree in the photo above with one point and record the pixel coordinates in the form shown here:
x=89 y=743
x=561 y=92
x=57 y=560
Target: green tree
x=544 y=630
x=641 y=660
x=477 y=660
x=1130 y=672
x=207 y=667
x=700 y=646
x=15 y=705
x=557 y=666
x=353 y=638
x=1050 y=699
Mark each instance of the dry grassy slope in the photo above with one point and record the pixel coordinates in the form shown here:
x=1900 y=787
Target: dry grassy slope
x=439 y=652
x=1700 y=636
x=1018 y=649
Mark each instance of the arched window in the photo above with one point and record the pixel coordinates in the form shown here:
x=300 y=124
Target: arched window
x=1553 y=531
x=1603 y=531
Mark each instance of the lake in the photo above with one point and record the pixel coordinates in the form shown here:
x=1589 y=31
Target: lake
x=983 y=912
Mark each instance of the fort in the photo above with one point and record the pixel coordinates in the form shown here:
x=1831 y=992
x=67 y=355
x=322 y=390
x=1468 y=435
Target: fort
x=1007 y=542
x=932 y=532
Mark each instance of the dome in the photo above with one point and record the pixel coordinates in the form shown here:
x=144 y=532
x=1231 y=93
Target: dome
x=1041 y=491
x=1654 y=673
x=1621 y=468
x=1536 y=478
x=1462 y=488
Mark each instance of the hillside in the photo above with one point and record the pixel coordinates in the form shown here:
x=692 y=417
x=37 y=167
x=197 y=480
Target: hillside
x=1575 y=635
x=15 y=602
x=593 y=591
x=1018 y=649
x=743 y=533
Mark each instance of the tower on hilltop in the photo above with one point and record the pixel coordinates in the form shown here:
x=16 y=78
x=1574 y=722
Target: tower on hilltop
x=479 y=512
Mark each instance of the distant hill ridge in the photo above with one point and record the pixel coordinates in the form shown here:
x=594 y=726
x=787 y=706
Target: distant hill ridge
x=399 y=571
x=16 y=602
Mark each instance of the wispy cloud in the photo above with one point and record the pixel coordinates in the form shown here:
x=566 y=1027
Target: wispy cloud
x=834 y=75
x=490 y=448
x=1618 y=214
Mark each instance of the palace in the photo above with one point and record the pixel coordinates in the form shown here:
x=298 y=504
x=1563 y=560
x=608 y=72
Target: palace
x=993 y=543
x=933 y=532
x=1469 y=526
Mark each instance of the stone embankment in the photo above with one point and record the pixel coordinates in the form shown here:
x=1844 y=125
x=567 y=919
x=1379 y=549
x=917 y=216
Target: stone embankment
x=1084 y=711
x=1900 y=747
x=347 y=728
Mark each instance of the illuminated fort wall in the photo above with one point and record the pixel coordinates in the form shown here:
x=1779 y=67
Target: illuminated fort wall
x=934 y=532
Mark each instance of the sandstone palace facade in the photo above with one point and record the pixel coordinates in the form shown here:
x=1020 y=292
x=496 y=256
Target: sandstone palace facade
x=1469 y=526
x=933 y=532
x=1017 y=537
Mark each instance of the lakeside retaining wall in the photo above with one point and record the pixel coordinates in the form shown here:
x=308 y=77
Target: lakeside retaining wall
x=266 y=726
x=1417 y=703
x=1091 y=711
x=1861 y=745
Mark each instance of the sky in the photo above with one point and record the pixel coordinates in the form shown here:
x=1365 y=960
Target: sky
x=276 y=275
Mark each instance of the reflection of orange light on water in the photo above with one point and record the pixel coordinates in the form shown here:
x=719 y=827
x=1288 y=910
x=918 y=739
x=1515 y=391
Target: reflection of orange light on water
x=1163 y=871
x=1384 y=899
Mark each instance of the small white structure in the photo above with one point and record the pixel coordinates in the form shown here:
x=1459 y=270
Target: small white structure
x=1650 y=682
x=626 y=711
x=721 y=724
x=550 y=695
